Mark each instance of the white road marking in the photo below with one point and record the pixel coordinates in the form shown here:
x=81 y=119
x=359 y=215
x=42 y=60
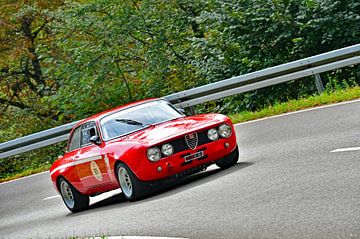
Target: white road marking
x=345 y=149
x=104 y=196
x=300 y=111
x=51 y=197
x=93 y=199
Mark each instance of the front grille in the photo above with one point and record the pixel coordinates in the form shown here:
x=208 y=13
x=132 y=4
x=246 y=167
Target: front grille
x=191 y=140
x=180 y=143
x=200 y=149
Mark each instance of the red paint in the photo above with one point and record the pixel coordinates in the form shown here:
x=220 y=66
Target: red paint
x=131 y=150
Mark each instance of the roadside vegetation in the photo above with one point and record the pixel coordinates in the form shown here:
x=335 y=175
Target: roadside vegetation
x=294 y=105
x=62 y=61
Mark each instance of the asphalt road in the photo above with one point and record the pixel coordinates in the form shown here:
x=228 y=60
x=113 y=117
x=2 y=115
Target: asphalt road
x=287 y=184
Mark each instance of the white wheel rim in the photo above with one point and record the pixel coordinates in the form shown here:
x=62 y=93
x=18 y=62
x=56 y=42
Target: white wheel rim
x=125 y=182
x=67 y=194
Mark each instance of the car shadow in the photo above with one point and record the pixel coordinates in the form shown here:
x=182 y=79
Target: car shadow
x=165 y=190
x=194 y=180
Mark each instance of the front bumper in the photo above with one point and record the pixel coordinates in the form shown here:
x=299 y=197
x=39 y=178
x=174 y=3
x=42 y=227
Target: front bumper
x=176 y=165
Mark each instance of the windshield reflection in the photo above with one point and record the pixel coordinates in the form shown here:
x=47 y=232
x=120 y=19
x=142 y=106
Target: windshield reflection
x=136 y=118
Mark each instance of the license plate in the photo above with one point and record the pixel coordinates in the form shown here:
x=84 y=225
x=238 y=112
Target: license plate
x=194 y=156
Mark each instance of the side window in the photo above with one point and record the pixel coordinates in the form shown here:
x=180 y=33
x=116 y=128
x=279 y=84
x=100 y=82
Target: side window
x=75 y=140
x=87 y=131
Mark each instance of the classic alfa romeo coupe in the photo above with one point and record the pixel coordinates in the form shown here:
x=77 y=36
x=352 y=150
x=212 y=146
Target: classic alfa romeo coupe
x=136 y=147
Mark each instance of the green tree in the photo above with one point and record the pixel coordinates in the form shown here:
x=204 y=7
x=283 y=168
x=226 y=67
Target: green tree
x=113 y=53
x=24 y=78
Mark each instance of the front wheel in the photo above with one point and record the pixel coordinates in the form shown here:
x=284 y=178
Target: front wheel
x=229 y=160
x=132 y=188
x=73 y=199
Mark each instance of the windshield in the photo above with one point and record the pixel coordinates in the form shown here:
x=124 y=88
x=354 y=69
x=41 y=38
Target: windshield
x=138 y=117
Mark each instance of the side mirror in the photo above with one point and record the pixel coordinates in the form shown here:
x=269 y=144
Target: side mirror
x=182 y=111
x=95 y=140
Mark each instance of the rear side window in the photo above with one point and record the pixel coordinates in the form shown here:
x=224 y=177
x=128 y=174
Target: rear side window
x=75 y=140
x=87 y=131
x=81 y=135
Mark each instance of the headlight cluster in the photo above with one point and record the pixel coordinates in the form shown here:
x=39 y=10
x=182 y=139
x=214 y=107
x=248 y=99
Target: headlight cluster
x=213 y=134
x=154 y=154
x=167 y=149
x=224 y=131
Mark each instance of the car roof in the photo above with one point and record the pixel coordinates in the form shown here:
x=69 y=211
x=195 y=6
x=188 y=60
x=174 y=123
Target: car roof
x=100 y=115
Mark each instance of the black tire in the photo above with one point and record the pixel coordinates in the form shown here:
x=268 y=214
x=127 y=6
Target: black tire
x=73 y=199
x=125 y=177
x=229 y=160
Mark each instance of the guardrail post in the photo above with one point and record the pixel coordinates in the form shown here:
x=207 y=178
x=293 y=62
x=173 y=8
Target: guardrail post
x=192 y=110
x=319 y=84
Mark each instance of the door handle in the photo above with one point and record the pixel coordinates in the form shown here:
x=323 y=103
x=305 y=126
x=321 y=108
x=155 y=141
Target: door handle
x=76 y=157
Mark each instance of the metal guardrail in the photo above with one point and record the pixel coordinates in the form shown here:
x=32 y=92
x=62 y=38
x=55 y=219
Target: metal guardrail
x=36 y=140
x=274 y=75
x=271 y=76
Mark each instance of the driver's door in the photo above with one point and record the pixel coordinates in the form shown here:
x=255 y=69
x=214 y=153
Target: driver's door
x=92 y=170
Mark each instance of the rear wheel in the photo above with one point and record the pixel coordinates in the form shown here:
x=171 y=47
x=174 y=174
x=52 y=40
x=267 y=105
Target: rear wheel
x=229 y=160
x=132 y=188
x=73 y=199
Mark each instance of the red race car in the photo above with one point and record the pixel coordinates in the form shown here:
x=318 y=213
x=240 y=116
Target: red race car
x=138 y=146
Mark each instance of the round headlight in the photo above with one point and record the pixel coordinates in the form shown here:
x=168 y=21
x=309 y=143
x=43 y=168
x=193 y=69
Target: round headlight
x=154 y=154
x=225 y=130
x=212 y=134
x=167 y=149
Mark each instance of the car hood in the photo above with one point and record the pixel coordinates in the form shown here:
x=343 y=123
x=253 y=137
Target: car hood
x=176 y=127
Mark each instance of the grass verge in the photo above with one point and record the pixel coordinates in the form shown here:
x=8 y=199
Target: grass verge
x=292 y=105
x=300 y=104
x=24 y=173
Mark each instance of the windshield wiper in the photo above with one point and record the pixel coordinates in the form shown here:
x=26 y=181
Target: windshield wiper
x=130 y=122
